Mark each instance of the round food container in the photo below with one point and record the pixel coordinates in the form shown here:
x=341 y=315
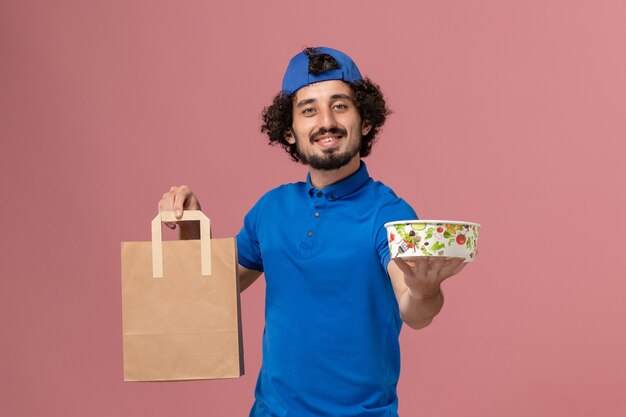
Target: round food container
x=409 y=239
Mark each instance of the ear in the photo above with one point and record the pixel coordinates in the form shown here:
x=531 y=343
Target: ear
x=365 y=127
x=289 y=137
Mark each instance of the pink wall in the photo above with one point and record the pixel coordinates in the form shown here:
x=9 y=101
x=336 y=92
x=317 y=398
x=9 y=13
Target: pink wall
x=510 y=114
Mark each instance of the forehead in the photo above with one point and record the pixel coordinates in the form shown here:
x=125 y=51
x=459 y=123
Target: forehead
x=323 y=90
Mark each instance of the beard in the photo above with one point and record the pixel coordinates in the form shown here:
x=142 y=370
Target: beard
x=331 y=158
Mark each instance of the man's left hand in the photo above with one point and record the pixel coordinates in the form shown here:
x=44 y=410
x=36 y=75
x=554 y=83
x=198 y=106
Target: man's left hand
x=424 y=276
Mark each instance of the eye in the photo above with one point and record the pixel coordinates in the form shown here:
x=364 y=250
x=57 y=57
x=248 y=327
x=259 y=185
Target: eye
x=340 y=106
x=309 y=111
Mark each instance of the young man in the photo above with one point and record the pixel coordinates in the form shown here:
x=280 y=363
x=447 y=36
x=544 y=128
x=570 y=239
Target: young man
x=335 y=302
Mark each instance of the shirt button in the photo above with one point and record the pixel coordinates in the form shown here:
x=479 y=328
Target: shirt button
x=317 y=214
x=309 y=234
x=332 y=197
x=319 y=194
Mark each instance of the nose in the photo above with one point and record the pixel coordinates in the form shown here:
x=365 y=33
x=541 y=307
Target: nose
x=327 y=119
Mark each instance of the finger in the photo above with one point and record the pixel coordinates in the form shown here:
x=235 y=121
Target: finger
x=166 y=204
x=180 y=197
x=167 y=200
x=459 y=268
x=162 y=202
x=450 y=264
x=434 y=268
x=421 y=265
x=402 y=265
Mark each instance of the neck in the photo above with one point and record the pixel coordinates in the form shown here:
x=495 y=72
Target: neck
x=323 y=178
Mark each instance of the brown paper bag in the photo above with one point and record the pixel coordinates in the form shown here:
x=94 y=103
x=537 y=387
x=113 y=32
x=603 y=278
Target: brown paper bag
x=180 y=306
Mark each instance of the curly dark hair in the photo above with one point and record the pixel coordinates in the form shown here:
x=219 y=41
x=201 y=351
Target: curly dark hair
x=369 y=100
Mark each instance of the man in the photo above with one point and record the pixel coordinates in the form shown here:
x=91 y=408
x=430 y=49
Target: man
x=335 y=302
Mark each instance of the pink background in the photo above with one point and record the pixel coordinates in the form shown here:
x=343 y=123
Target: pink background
x=510 y=114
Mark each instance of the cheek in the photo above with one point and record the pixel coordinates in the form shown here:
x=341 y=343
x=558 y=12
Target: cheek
x=304 y=129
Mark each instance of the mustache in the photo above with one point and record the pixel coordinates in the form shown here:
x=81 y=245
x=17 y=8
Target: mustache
x=323 y=131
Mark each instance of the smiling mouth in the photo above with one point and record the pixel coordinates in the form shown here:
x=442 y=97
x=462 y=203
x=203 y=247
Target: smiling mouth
x=328 y=136
x=328 y=139
x=328 y=142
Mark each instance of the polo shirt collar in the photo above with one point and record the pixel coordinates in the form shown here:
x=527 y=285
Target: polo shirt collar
x=342 y=188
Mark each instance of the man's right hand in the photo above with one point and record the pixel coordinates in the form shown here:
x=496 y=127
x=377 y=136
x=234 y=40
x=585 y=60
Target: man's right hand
x=179 y=199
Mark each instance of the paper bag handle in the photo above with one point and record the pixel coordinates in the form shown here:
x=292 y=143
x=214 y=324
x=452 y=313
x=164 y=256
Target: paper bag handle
x=157 y=239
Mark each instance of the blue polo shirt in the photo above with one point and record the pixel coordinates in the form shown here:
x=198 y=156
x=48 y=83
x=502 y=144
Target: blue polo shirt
x=330 y=345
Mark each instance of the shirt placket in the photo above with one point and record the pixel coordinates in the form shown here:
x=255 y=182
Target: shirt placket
x=315 y=216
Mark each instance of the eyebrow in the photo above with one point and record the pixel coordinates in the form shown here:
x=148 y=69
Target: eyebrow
x=333 y=97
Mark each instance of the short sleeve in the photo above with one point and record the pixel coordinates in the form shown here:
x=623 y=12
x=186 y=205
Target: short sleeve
x=396 y=210
x=248 y=249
